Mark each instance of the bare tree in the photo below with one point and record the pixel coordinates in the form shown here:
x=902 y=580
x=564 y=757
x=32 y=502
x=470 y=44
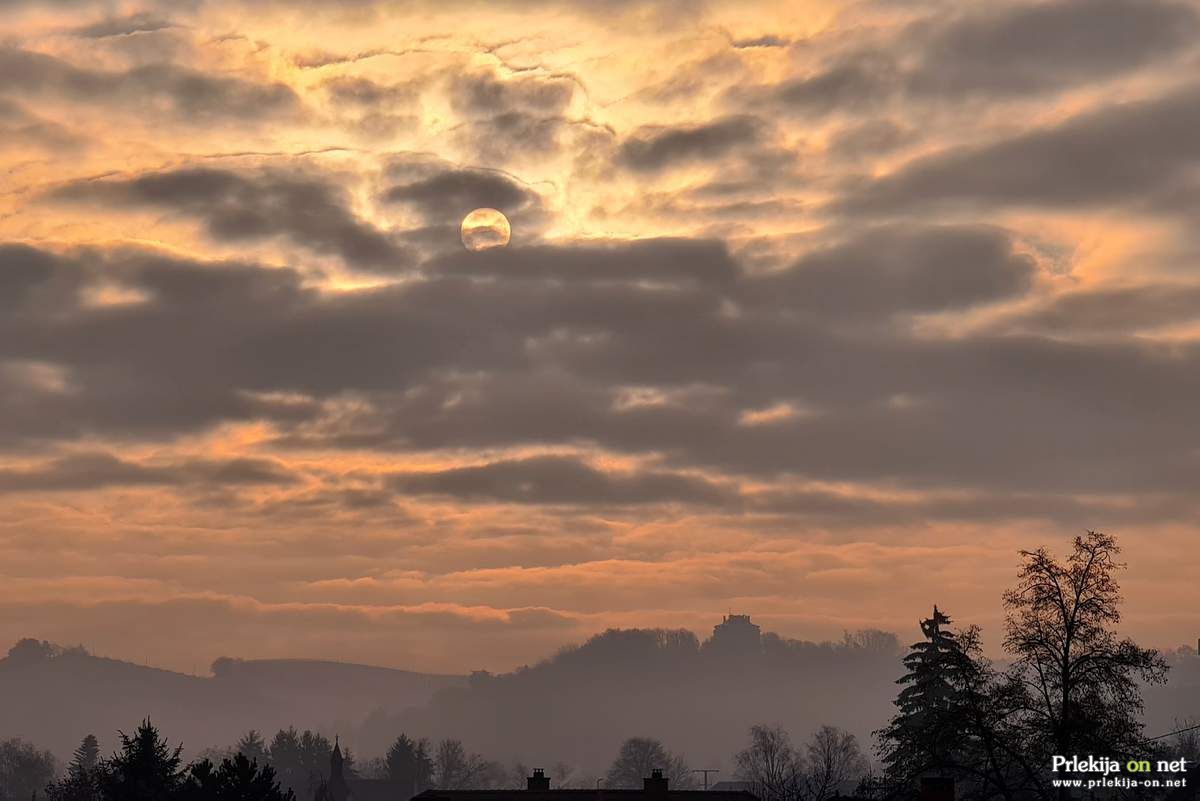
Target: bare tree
x=831 y=761
x=1081 y=680
x=455 y=769
x=640 y=755
x=771 y=764
x=834 y=763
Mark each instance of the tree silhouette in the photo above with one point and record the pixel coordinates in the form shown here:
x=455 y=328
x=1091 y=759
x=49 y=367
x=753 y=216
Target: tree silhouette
x=236 y=779
x=145 y=769
x=300 y=760
x=81 y=782
x=87 y=755
x=1081 y=680
x=315 y=752
x=455 y=769
x=409 y=764
x=284 y=755
x=253 y=746
x=75 y=787
x=771 y=764
x=834 y=762
x=830 y=762
x=24 y=770
x=1072 y=688
x=640 y=755
x=929 y=728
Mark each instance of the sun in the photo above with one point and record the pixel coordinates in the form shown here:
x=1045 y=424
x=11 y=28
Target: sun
x=483 y=229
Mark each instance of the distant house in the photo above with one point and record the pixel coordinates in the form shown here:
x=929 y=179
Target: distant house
x=654 y=788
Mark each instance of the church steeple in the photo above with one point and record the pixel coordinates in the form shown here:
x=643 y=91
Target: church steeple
x=336 y=761
x=337 y=787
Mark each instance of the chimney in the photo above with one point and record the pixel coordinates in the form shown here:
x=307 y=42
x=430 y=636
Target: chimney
x=538 y=781
x=937 y=788
x=656 y=784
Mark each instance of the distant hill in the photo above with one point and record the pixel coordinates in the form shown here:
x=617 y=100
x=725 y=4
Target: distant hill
x=53 y=696
x=576 y=707
x=698 y=698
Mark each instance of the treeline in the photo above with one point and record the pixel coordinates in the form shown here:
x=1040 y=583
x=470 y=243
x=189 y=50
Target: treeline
x=294 y=766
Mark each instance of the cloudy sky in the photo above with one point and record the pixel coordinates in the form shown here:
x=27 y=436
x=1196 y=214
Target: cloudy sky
x=814 y=310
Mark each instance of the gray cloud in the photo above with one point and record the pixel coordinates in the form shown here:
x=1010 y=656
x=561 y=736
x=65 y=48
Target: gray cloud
x=1031 y=46
x=309 y=210
x=675 y=261
x=523 y=115
x=187 y=93
x=766 y=40
x=655 y=148
x=996 y=51
x=363 y=92
x=910 y=269
x=661 y=347
x=561 y=480
x=486 y=93
x=442 y=193
x=850 y=83
x=143 y=22
x=1128 y=153
x=98 y=470
x=1109 y=311
x=870 y=138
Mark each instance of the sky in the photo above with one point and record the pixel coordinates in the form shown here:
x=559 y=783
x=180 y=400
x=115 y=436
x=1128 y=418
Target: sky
x=816 y=310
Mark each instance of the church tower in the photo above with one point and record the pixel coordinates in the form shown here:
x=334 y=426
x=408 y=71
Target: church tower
x=338 y=790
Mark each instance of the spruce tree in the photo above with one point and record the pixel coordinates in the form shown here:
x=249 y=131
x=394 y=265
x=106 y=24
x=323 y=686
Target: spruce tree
x=81 y=782
x=86 y=757
x=145 y=769
x=236 y=779
x=253 y=746
x=409 y=765
x=926 y=730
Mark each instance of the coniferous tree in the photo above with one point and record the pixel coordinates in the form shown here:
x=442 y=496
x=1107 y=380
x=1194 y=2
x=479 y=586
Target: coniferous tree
x=87 y=755
x=145 y=769
x=284 y=755
x=75 y=787
x=81 y=782
x=253 y=746
x=315 y=753
x=409 y=764
x=921 y=735
x=236 y=779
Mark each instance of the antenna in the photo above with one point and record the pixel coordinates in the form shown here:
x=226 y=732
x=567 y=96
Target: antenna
x=706 y=771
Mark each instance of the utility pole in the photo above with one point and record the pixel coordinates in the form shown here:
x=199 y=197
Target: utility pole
x=706 y=771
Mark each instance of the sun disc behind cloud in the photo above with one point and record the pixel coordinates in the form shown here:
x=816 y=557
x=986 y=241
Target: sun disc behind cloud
x=483 y=229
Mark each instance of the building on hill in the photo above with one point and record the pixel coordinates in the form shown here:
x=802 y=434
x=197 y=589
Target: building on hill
x=654 y=788
x=735 y=634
